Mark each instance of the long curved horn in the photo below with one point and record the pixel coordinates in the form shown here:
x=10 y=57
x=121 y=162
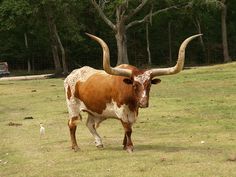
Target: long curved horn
x=180 y=62
x=106 y=60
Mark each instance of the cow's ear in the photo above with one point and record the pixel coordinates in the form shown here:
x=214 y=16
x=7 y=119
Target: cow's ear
x=128 y=81
x=156 y=81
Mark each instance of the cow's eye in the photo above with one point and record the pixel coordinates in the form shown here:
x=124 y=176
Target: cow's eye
x=128 y=81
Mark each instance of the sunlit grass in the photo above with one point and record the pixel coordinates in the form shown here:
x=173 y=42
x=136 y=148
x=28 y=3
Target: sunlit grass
x=188 y=130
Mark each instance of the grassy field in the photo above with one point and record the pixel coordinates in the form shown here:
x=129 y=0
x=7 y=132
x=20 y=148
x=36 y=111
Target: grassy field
x=189 y=130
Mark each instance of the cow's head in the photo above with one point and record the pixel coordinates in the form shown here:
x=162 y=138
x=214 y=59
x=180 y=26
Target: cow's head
x=141 y=80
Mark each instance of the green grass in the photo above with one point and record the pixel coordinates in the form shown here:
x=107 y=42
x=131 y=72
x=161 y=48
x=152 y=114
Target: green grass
x=196 y=105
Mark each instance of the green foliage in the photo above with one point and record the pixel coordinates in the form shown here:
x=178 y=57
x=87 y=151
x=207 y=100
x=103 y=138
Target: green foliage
x=12 y=12
x=73 y=18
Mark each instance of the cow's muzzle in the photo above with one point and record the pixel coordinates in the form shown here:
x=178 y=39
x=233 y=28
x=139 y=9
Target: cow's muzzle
x=143 y=103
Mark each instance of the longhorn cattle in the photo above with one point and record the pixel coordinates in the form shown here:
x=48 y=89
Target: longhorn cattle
x=115 y=92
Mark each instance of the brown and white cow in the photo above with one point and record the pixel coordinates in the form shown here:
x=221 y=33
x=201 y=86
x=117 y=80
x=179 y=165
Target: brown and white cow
x=112 y=93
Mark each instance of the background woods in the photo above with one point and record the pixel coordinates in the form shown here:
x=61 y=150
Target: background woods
x=49 y=34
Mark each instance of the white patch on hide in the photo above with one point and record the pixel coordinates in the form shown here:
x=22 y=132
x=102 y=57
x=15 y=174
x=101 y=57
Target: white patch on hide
x=81 y=75
x=144 y=94
x=143 y=77
x=123 y=112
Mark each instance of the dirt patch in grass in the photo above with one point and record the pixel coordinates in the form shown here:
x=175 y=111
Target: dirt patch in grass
x=14 y=124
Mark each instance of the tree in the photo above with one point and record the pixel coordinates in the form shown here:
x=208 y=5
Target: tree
x=125 y=10
x=224 y=31
x=61 y=18
x=32 y=32
x=54 y=38
x=23 y=11
x=11 y=13
x=215 y=4
x=58 y=50
x=148 y=44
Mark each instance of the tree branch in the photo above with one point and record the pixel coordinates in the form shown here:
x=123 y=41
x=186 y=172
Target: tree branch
x=135 y=11
x=125 y=6
x=135 y=22
x=103 y=16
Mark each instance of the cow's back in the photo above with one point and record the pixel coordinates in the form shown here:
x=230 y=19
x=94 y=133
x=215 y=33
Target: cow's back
x=81 y=75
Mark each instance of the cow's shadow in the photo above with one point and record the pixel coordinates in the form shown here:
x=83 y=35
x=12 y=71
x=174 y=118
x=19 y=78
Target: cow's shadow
x=160 y=148
x=150 y=147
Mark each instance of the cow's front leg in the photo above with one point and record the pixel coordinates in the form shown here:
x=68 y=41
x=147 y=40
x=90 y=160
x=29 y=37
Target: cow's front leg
x=72 y=124
x=127 y=142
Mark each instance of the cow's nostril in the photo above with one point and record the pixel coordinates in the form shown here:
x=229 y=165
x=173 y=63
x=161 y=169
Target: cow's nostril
x=143 y=103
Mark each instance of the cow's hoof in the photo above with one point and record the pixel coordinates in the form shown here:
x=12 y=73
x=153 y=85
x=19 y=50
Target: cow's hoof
x=100 y=146
x=76 y=148
x=129 y=150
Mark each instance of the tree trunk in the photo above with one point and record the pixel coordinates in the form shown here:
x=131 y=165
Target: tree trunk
x=27 y=49
x=199 y=30
x=224 y=32
x=33 y=63
x=148 y=46
x=63 y=58
x=63 y=55
x=169 y=38
x=53 y=38
x=56 y=59
x=121 y=45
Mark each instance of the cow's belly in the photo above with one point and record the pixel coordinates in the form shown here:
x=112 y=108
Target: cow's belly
x=111 y=111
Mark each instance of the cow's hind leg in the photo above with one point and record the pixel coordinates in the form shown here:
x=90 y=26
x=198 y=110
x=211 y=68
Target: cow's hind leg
x=72 y=123
x=91 y=126
x=127 y=142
